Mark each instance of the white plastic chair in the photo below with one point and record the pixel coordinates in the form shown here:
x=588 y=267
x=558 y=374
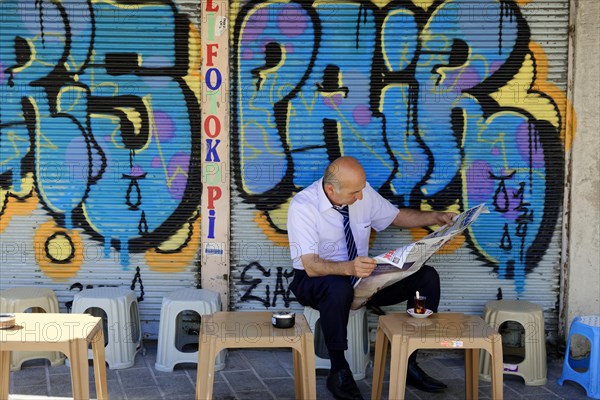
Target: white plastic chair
x=173 y=335
x=39 y=300
x=358 y=353
x=123 y=330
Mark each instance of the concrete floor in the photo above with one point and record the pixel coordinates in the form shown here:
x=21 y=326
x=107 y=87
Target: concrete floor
x=266 y=374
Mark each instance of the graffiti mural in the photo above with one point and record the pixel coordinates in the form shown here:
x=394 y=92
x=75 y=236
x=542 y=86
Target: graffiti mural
x=444 y=102
x=100 y=125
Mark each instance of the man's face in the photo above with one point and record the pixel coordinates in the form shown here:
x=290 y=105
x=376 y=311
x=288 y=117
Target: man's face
x=349 y=191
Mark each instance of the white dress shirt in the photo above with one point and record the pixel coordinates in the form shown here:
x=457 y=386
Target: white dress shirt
x=315 y=227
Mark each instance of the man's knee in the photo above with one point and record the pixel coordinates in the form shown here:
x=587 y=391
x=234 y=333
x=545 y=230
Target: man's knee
x=430 y=273
x=339 y=291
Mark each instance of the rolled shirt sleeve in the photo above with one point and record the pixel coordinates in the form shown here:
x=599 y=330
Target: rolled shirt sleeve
x=302 y=228
x=382 y=211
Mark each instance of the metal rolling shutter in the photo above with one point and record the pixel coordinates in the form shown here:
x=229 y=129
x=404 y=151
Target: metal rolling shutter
x=108 y=92
x=440 y=106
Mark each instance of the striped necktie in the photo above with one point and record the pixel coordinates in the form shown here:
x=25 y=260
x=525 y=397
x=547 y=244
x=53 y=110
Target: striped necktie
x=350 y=244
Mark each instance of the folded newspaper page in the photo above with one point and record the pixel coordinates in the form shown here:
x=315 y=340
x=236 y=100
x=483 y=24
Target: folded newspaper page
x=397 y=264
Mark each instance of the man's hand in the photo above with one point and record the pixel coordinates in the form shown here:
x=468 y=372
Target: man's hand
x=409 y=218
x=316 y=266
x=363 y=266
x=443 y=218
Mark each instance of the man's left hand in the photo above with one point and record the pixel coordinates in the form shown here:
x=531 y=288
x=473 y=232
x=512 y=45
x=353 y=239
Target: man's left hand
x=443 y=218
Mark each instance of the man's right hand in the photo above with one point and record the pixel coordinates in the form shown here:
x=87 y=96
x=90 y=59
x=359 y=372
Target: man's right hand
x=360 y=267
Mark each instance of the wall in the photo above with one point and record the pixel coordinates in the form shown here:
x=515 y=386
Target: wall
x=582 y=292
x=100 y=146
x=447 y=104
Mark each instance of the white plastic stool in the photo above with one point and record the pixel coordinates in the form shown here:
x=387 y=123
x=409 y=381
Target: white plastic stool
x=358 y=353
x=171 y=336
x=18 y=300
x=122 y=329
x=533 y=367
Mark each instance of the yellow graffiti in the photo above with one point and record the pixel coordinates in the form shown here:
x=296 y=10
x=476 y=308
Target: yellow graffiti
x=64 y=93
x=530 y=90
x=405 y=59
x=58 y=252
x=542 y=84
x=134 y=7
x=401 y=152
x=154 y=132
x=275 y=218
x=165 y=262
x=17 y=203
x=135 y=118
x=451 y=247
x=12 y=138
x=193 y=77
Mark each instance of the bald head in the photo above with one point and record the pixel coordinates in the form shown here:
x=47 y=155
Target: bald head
x=344 y=180
x=341 y=170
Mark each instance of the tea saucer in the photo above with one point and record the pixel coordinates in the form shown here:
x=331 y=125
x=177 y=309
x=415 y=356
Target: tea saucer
x=7 y=321
x=411 y=312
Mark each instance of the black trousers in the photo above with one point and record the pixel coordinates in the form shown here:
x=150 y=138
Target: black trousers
x=332 y=296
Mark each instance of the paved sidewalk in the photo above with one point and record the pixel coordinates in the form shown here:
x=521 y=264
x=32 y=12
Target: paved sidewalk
x=266 y=374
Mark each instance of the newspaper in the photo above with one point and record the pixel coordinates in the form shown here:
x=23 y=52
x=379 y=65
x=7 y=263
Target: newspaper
x=397 y=264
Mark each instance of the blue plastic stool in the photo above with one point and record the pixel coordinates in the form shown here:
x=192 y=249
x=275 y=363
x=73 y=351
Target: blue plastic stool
x=588 y=326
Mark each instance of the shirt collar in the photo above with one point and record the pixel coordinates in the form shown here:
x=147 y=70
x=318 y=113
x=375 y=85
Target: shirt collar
x=324 y=203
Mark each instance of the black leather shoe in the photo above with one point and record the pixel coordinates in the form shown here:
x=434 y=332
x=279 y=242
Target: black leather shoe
x=342 y=385
x=416 y=377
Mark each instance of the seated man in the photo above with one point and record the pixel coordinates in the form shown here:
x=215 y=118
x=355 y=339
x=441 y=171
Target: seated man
x=329 y=224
